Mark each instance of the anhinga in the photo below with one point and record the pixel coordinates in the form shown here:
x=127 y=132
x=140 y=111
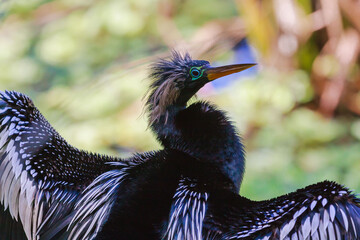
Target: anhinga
x=188 y=190
x=324 y=210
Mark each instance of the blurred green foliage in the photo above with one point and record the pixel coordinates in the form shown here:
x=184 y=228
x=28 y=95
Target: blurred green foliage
x=289 y=147
x=84 y=63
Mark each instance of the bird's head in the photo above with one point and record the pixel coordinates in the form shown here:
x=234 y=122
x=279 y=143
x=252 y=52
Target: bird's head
x=176 y=80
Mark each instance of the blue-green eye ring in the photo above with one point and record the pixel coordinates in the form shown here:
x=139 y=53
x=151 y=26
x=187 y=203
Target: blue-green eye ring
x=196 y=72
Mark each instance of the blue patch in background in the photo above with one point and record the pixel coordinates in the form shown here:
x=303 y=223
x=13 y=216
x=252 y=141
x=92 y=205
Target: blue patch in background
x=242 y=54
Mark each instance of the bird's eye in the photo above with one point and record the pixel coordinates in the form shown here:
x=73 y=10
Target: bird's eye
x=195 y=73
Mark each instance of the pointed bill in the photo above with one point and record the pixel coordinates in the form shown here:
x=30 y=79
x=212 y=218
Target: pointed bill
x=218 y=72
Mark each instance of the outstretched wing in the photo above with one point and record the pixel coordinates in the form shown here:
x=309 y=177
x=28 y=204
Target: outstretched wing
x=324 y=210
x=41 y=175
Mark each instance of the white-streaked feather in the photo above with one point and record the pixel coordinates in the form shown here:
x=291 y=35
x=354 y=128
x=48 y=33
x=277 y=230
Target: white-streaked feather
x=337 y=217
x=18 y=190
x=14 y=199
x=187 y=213
x=305 y=227
x=286 y=228
x=337 y=231
x=332 y=212
x=315 y=222
x=346 y=223
x=95 y=204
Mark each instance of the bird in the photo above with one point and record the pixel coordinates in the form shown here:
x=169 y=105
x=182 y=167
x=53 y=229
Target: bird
x=52 y=190
x=187 y=190
x=325 y=210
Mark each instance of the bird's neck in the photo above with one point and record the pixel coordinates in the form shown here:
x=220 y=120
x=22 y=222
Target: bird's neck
x=204 y=133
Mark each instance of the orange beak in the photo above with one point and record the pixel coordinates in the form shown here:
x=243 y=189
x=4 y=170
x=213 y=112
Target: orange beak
x=218 y=72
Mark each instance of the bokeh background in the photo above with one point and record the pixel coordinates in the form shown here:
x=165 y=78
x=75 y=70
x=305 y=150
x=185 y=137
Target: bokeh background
x=85 y=62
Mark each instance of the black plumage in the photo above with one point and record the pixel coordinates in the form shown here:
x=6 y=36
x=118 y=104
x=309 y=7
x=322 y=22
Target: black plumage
x=325 y=210
x=41 y=175
x=187 y=190
x=54 y=184
x=321 y=211
x=200 y=130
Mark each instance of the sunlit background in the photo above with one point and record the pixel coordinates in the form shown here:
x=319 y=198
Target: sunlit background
x=85 y=62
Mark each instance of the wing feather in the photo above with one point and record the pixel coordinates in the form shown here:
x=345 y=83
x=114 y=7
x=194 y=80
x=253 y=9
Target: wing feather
x=96 y=202
x=187 y=212
x=303 y=214
x=41 y=175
